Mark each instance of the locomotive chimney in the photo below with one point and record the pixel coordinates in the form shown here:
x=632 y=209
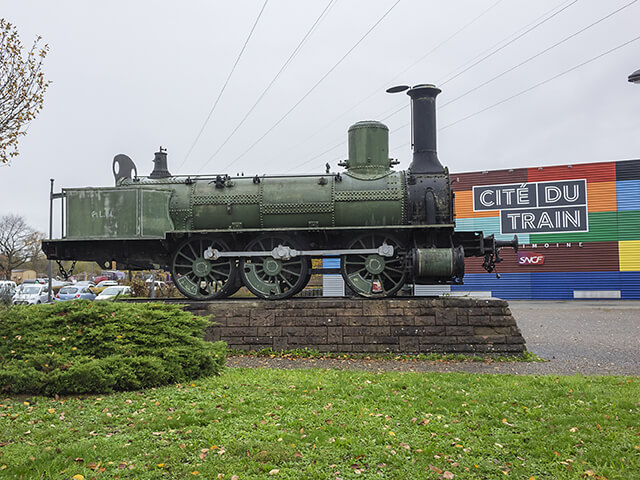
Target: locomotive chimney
x=160 y=169
x=423 y=129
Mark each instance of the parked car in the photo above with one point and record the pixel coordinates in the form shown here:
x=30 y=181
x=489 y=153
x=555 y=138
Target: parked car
x=107 y=283
x=31 y=294
x=71 y=292
x=110 y=293
x=8 y=283
x=85 y=283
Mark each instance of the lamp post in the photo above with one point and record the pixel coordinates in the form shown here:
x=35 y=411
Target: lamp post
x=635 y=77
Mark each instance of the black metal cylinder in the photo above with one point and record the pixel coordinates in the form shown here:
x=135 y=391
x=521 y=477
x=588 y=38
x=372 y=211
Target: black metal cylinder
x=160 y=168
x=423 y=129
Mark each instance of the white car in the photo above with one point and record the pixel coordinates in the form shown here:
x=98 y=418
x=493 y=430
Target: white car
x=111 y=292
x=107 y=283
x=8 y=283
x=32 y=294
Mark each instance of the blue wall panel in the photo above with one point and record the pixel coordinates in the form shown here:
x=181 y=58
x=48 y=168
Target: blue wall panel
x=331 y=262
x=628 y=194
x=510 y=286
x=552 y=285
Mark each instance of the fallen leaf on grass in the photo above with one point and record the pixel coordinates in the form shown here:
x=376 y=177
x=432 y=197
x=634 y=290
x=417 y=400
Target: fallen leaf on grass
x=275 y=471
x=448 y=475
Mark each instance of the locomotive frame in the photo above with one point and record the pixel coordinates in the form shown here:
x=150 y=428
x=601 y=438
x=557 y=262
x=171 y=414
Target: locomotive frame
x=216 y=233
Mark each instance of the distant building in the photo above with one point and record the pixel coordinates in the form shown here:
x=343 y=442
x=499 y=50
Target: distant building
x=20 y=275
x=578 y=227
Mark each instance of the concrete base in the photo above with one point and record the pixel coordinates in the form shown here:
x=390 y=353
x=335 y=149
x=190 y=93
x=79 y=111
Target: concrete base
x=414 y=325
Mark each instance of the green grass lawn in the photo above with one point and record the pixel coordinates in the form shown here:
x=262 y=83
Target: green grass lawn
x=329 y=424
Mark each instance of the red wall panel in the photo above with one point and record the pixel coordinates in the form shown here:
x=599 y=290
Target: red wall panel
x=591 y=257
x=593 y=172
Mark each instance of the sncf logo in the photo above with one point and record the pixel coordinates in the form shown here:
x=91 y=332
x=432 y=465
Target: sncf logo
x=530 y=258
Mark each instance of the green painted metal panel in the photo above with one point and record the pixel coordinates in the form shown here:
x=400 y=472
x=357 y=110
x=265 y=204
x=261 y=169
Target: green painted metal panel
x=236 y=204
x=368 y=148
x=154 y=217
x=116 y=213
x=378 y=201
x=301 y=201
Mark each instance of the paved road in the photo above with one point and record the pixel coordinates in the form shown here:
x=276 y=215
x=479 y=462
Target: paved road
x=576 y=337
x=589 y=337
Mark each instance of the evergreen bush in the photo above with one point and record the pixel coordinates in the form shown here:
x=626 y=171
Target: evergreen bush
x=91 y=347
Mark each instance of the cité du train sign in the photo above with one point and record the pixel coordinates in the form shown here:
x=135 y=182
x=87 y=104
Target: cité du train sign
x=536 y=207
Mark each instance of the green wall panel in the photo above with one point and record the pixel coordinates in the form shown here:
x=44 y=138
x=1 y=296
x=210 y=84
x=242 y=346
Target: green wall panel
x=603 y=227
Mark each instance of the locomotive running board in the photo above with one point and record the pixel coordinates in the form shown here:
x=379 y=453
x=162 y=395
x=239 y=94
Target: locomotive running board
x=283 y=252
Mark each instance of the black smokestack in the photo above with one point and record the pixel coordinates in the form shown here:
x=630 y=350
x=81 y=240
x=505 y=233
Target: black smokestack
x=423 y=129
x=160 y=169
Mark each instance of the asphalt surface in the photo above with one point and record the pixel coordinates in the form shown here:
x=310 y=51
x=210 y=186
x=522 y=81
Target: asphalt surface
x=574 y=337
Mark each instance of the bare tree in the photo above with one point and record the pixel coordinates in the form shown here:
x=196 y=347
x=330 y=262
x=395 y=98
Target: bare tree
x=19 y=243
x=22 y=87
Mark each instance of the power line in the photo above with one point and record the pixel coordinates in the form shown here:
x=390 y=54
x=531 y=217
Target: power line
x=246 y=42
x=387 y=83
x=505 y=39
x=526 y=90
x=520 y=33
x=509 y=43
x=284 y=66
x=540 y=83
x=539 y=53
x=315 y=86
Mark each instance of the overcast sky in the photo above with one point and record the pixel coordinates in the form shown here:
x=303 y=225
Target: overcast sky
x=131 y=76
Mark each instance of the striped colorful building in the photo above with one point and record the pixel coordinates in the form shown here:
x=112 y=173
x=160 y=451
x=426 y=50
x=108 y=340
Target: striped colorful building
x=578 y=228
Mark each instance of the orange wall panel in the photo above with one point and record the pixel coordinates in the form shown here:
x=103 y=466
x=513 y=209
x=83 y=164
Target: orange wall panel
x=464 y=206
x=601 y=196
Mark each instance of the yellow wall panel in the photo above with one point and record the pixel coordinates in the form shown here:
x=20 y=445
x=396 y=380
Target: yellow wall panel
x=464 y=206
x=629 y=251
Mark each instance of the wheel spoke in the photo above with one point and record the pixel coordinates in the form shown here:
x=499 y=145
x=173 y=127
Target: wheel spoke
x=214 y=279
x=363 y=272
x=284 y=279
x=185 y=256
x=219 y=272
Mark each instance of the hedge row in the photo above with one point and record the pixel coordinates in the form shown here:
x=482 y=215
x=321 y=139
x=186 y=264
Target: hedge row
x=91 y=347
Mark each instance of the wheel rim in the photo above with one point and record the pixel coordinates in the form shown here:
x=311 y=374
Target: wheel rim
x=201 y=279
x=372 y=275
x=270 y=278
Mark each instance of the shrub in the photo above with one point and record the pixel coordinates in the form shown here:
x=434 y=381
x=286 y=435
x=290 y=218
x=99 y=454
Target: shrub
x=85 y=347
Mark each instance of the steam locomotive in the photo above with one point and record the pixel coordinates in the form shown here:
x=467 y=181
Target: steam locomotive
x=216 y=233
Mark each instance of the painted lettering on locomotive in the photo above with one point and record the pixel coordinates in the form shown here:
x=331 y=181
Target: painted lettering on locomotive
x=216 y=233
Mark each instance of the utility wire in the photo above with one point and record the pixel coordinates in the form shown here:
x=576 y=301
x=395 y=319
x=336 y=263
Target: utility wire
x=544 y=82
x=519 y=34
x=314 y=86
x=506 y=39
x=246 y=42
x=509 y=43
x=387 y=83
x=538 y=54
x=284 y=66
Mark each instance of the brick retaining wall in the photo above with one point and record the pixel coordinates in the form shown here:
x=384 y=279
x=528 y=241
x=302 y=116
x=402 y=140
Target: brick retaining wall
x=415 y=325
